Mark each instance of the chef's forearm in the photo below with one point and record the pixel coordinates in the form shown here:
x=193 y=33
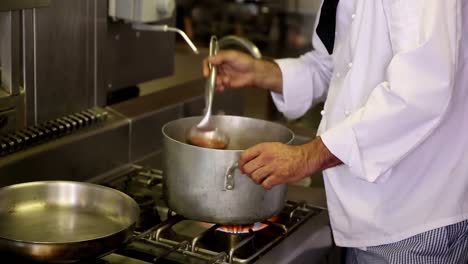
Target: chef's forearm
x=319 y=157
x=268 y=76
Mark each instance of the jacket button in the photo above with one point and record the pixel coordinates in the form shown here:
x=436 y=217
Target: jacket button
x=386 y=85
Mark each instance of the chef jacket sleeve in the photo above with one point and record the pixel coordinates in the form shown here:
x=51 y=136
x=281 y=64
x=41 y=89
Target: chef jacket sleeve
x=403 y=111
x=305 y=80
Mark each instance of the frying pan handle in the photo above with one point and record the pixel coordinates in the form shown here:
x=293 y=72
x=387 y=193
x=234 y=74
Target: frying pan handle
x=229 y=177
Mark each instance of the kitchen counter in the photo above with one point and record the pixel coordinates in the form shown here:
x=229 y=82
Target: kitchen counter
x=314 y=196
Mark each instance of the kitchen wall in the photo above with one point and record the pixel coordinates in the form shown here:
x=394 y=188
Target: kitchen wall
x=290 y=26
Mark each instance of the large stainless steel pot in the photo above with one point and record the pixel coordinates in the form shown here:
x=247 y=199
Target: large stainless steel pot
x=206 y=185
x=58 y=221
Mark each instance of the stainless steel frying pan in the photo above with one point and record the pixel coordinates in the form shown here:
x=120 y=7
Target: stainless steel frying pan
x=59 y=221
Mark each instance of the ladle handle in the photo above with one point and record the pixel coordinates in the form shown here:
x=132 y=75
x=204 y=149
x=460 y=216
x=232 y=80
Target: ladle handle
x=211 y=83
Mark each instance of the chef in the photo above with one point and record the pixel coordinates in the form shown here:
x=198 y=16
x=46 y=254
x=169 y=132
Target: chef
x=393 y=140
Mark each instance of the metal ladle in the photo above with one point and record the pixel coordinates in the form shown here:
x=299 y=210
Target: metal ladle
x=205 y=134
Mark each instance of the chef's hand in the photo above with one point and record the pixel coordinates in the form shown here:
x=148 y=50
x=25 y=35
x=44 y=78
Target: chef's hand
x=270 y=164
x=237 y=69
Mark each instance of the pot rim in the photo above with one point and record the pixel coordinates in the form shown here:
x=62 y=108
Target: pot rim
x=163 y=130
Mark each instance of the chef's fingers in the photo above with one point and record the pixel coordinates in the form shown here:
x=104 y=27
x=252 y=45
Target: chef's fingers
x=271 y=181
x=219 y=82
x=206 y=68
x=254 y=164
x=249 y=154
x=225 y=81
x=259 y=175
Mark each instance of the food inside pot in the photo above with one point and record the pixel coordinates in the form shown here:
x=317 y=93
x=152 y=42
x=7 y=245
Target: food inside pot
x=207 y=143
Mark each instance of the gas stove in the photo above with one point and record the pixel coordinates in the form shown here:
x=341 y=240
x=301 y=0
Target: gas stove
x=298 y=234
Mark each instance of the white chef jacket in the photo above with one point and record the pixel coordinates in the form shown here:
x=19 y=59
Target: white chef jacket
x=396 y=114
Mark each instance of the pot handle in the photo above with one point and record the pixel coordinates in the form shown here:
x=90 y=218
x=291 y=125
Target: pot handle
x=229 y=177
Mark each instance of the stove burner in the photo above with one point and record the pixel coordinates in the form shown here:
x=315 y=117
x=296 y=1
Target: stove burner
x=95 y=261
x=245 y=229
x=224 y=242
x=141 y=184
x=143 y=200
x=164 y=237
x=148 y=214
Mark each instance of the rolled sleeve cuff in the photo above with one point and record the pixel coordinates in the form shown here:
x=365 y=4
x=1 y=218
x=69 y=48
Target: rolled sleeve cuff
x=296 y=98
x=341 y=141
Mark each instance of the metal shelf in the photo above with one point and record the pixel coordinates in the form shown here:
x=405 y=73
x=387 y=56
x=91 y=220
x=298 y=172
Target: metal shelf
x=7 y=5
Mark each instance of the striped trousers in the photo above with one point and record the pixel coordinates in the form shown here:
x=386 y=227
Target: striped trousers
x=445 y=245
